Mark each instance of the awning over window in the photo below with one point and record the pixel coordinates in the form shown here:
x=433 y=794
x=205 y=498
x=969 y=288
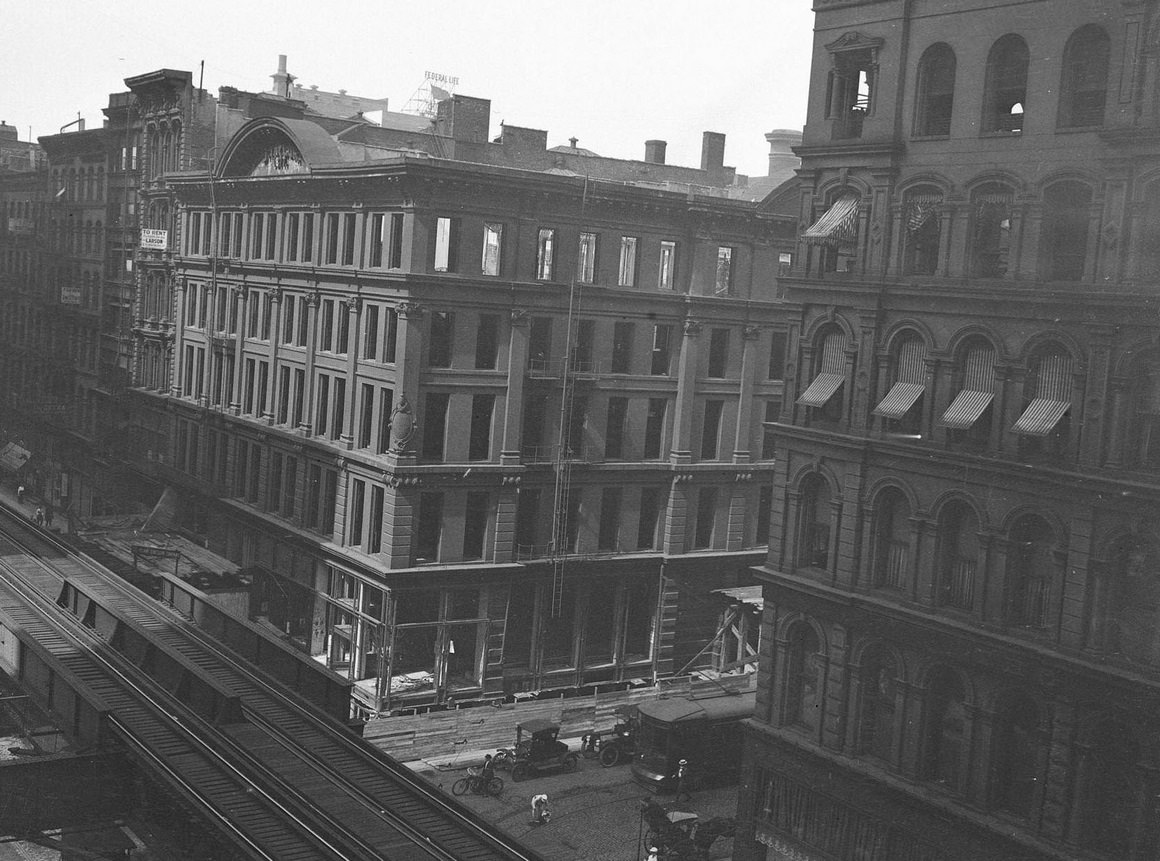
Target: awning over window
x=838 y=224
x=14 y=457
x=821 y=390
x=898 y=400
x=1041 y=417
x=965 y=409
x=823 y=386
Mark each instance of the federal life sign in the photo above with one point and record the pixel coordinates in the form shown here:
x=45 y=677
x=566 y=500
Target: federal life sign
x=156 y=239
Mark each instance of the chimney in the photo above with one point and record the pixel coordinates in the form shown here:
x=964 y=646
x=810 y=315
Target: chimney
x=572 y=142
x=781 y=157
x=463 y=118
x=80 y=125
x=654 y=152
x=712 y=151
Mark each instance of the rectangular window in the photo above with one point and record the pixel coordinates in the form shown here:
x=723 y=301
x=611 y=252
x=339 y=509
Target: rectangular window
x=202 y=306
x=608 y=537
x=254 y=489
x=711 y=430
x=661 y=349
x=627 y=276
x=326 y=326
x=492 y=239
x=430 y=527
x=333 y=229
x=435 y=425
x=392 y=338
x=323 y=412
x=723 y=286
x=339 y=424
x=303 y=323
x=267 y=316
x=343 y=339
x=667 y=272
x=445 y=242
x=718 y=353
x=293 y=224
x=487 y=341
x=706 y=515
x=289 y=303
x=299 y=395
x=257 y=243
x=582 y=349
x=194 y=238
x=263 y=387
x=475 y=524
x=371 y=332
x=313 y=495
x=535 y=411
x=377 y=239
x=253 y=308
x=248 y=390
x=227 y=224
x=396 y=250
x=307 y=237
x=329 y=500
x=654 y=428
x=375 y=538
x=614 y=431
x=764 y=510
x=777 y=356
x=540 y=343
x=289 y=486
x=386 y=405
x=622 y=336
x=348 y=237
x=357 y=501
x=586 y=259
x=241 y=469
x=545 y=250
x=271 y=236
x=442 y=335
x=651 y=500
x=479 y=444
x=238 y=234
x=768 y=437
x=207 y=235
x=366 y=415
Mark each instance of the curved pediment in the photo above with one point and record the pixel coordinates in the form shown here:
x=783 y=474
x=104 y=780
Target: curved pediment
x=277 y=147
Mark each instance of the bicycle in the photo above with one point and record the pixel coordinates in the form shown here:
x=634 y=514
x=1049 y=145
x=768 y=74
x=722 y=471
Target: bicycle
x=478 y=784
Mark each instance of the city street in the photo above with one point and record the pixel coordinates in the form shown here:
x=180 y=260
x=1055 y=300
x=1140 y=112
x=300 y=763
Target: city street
x=595 y=812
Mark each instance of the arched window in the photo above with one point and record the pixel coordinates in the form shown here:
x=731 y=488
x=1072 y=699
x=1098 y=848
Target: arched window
x=958 y=556
x=1044 y=428
x=991 y=236
x=1083 y=84
x=829 y=376
x=1066 y=216
x=936 y=91
x=920 y=220
x=1143 y=428
x=803 y=703
x=1031 y=580
x=1005 y=90
x=1133 y=622
x=1015 y=755
x=814 y=524
x=1110 y=792
x=968 y=418
x=166 y=150
x=946 y=729
x=902 y=406
x=877 y=690
x=175 y=148
x=891 y=540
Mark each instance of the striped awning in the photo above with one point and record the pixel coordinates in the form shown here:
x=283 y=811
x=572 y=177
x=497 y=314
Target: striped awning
x=899 y=399
x=838 y=224
x=966 y=408
x=1041 y=417
x=821 y=389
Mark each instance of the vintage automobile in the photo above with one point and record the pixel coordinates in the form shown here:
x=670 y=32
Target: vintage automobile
x=538 y=749
x=620 y=745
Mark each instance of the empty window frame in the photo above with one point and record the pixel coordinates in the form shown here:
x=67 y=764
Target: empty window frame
x=442 y=339
x=652 y=502
x=1064 y=237
x=1084 y=82
x=429 y=529
x=446 y=244
x=711 y=429
x=487 y=341
x=723 y=282
x=628 y=261
x=850 y=91
x=661 y=349
x=614 y=428
x=539 y=343
x=545 y=253
x=667 y=266
x=718 y=353
x=622 y=338
x=1005 y=88
x=654 y=428
x=608 y=534
x=936 y=91
x=706 y=518
x=586 y=259
x=991 y=231
x=921 y=223
x=492 y=248
x=479 y=442
x=777 y=345
x=385 y=240
x=475 y=524
x=435 y=425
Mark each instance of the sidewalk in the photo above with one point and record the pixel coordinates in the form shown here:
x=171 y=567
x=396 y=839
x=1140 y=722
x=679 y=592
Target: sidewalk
x=28 y=508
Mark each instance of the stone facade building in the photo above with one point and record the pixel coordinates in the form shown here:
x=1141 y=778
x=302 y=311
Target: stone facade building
x=961 y=591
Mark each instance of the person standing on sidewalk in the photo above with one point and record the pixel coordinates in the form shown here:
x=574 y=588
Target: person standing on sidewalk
x=49 y=513
x=38 y=518
x=20 y=494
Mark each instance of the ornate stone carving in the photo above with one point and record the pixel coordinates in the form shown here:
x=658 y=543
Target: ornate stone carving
x=402 y=424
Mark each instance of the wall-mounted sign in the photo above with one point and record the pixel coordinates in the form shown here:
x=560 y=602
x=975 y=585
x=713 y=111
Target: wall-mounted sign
x=70 y=294
x=155 y=239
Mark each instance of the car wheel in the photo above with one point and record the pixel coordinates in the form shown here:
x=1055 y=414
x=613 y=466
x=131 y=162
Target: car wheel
x=610 y=756
x=459 y=787
x=571 y=761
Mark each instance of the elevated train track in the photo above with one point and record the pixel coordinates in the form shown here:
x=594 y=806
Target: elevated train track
x=276 y=776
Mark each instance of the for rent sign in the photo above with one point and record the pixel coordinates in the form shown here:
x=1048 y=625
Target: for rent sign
x=154 y=239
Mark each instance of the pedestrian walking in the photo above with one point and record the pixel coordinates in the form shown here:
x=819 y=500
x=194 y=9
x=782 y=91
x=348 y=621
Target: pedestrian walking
x=49 y=513
x=541 y=815
x=683 y=781
x=38 y=518
x=20 y=494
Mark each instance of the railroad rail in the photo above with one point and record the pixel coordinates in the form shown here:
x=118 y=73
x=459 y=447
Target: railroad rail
x=276 y=776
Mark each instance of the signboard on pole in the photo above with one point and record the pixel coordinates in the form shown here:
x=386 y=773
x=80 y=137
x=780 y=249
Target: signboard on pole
x=157 y=240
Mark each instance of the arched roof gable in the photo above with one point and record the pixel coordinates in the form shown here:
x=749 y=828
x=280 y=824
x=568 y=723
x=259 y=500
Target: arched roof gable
x=273 y=146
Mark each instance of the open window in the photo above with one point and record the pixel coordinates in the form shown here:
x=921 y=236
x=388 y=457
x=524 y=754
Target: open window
x=1005 y=90
x=920 y=214
x=821 y=394
x=1043 y=425
x=991 y=235
x=968 y=417
x=850 y=89
x=836 y=233
x=1084 y=82
x=901 y=408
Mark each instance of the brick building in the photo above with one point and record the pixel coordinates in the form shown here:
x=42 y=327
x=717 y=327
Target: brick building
x=960 y=593
x=487 y=407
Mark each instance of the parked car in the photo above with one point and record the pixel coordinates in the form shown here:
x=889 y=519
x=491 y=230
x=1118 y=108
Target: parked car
x=538 y=750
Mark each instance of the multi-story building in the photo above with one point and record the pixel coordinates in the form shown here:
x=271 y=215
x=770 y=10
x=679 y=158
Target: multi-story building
x=481 y=417
x=961 y=591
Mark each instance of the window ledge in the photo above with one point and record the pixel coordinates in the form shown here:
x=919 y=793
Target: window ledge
x=920 y=138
